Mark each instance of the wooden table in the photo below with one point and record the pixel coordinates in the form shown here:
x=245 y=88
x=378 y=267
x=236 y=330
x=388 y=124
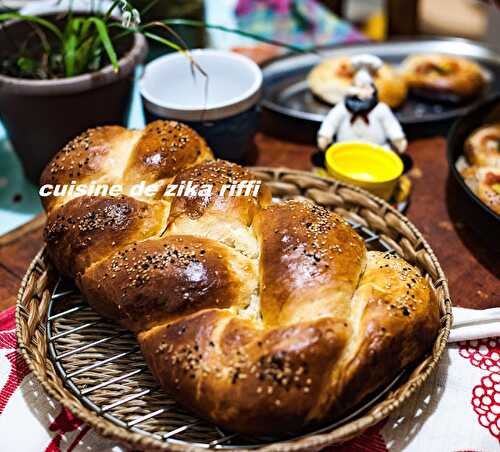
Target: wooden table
x=471 y=266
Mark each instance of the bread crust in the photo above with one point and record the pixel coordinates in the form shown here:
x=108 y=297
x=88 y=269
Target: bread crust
x=96 y=155
x=482 y=150
x=331 y=79
x=225 y=218
x=163 y=149
x=88 y=228
x=394 y=318
x=159 y=280
x=245 y=379
x=484 y=181
x=482 y=147
x=311 y=261
x=443 y=75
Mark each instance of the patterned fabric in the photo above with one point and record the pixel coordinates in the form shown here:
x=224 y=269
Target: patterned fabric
x=485 y=354
x=457 y=409
x=29 y=420
x=303 y=23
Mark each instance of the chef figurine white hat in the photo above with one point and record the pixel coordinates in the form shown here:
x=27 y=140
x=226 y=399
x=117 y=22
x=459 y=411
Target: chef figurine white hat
x=366 y=66
x=370 y=63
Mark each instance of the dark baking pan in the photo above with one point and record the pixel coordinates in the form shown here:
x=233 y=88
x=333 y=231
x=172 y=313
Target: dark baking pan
x=291 y=111
x=463 y=205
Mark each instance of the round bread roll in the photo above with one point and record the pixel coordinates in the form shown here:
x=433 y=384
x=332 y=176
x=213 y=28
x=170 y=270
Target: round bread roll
x=482 y=147
x=330 y=80
x=485 y=183
x=443 y=77
x=263 y=318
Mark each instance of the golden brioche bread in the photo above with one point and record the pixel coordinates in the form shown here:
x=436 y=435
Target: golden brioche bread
x=261 y=317
x=331 y=79
x=443 y=76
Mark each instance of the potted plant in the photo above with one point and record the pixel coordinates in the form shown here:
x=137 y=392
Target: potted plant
x=63 y=73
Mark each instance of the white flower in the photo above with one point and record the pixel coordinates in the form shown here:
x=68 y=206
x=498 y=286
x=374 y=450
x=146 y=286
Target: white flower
x=131 y=18
x=136 y=17
x=126 y=19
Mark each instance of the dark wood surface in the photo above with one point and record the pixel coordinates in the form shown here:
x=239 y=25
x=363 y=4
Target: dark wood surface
x=17 y=249
x=471 y=265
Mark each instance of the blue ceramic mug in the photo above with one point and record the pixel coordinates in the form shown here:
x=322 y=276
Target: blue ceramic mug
x=221 y=107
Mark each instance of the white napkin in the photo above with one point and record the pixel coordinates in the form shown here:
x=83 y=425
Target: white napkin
x=471 y=324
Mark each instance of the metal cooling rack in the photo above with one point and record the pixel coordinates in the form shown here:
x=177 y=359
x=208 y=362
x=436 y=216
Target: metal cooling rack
x=101 y=363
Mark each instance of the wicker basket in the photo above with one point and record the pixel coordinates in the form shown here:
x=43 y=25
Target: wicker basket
x=367 y=212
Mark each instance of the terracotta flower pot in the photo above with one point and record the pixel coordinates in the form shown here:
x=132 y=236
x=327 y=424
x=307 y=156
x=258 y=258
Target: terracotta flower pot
x=41 y=116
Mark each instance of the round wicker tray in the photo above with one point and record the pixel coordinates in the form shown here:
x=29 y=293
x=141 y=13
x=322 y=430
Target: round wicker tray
x=60 y=369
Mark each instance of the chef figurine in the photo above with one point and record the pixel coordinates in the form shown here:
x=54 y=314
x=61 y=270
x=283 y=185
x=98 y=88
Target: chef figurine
x=361 y=117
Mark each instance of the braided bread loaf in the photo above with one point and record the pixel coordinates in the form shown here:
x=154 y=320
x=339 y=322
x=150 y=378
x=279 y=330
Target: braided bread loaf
x=261 y=317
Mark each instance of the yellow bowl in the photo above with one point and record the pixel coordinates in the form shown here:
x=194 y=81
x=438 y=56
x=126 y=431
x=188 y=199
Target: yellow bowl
x=369 y=166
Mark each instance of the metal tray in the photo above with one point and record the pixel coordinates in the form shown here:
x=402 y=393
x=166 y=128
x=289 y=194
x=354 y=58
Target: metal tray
x=287 y=98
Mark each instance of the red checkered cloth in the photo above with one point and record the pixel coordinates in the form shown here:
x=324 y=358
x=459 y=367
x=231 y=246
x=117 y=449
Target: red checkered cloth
x=458 y=409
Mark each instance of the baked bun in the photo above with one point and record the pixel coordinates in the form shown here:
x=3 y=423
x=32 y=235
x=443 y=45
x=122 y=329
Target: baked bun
x=482 y=147
x=330 y=80
x=260 y=317
x=485 y=183
x=443 y=77
x=481 y=172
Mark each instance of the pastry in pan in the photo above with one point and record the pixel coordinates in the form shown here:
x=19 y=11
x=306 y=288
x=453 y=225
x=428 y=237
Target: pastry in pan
x=481 y=170
x=482 y=148
x=443 y=77
x=485 y=183
x=263 y=318
x=331 y=79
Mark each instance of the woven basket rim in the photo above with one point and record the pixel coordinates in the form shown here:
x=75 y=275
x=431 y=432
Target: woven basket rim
x=353 y=428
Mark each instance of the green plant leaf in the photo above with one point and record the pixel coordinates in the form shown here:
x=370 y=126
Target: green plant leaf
x=201 y=24
x=86 y=42
x=70 y=55
x=175 y=46
x=84 y=53
x=27 y=65
x=102 y=31
x=85 y=29
x=169 y=30
x=165 y=41
x=70 y=46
